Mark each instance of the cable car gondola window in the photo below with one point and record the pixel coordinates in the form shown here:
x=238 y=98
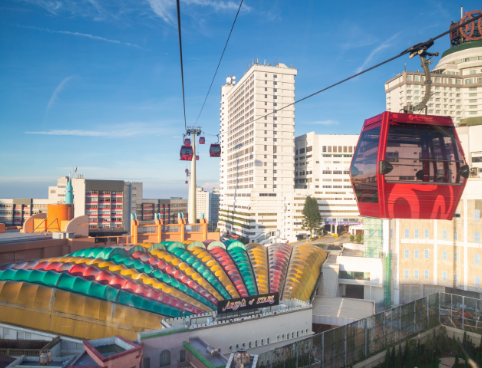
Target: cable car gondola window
x=364 y=167
x=423 y=154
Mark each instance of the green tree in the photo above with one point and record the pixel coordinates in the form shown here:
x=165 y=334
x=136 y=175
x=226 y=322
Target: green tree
x=358 y=238
x=311 y=215
x=352 y=238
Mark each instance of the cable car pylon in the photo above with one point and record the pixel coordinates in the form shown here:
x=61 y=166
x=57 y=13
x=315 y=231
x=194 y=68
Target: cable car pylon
x=191 y=212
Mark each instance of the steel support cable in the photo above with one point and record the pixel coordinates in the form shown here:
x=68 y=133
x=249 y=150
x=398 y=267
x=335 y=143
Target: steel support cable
x=221 y=58
x=180 y=52
x=407 y=51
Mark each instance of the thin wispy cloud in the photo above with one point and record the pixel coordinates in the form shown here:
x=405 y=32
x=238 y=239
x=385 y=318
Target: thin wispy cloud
x=86 y=133
x=57 y=90
x=84 y=35
x=375 y=51
x=211 y=186
x=323 y=122
x=118 y=131
x=166 y=9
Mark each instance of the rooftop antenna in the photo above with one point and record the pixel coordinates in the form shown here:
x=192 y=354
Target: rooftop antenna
x=257 y=61
x=264 y=61
x=405 y=66
x=75 y=171
x=275 y=60
x=461 y=12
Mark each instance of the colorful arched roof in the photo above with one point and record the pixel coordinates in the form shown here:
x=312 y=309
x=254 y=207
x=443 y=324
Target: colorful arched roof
x=167 y=279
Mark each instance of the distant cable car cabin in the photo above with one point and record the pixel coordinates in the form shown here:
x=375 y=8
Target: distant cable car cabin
x=187 y=142
x=186 y=181
x=408 y=166
x=202 y=140
x=186 y=171
x=197 y=157
x=215 y=150
x=186 y=153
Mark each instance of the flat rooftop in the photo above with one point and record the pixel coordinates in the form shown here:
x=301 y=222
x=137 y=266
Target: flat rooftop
x=341 y=311
x=14 y=236
x=110 y=349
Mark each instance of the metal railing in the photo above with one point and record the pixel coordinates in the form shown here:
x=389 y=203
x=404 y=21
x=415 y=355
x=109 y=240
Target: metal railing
x=355 y=342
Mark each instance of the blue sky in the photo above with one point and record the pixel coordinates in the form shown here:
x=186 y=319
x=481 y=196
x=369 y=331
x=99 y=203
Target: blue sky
x=97 y=83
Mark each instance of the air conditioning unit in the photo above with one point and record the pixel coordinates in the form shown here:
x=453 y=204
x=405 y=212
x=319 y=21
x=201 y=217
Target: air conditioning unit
x=265 y=310
x=209 y=321
x=58 y=235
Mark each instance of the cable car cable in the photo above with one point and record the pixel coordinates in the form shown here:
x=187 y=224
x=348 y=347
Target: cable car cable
x=219 y=63
x=410 y=50
x=180 y=52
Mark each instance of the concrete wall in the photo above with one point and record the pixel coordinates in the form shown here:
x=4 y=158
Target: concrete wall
x=32 y=250
x=79 y=226
x=362 y=264
x=154 y=346
x=231 y=336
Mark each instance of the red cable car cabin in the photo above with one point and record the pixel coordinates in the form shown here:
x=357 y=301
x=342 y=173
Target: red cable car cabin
x=202 y=140
x=408 y=166
x=197 y=157
x=187 y=142
x=186 y=153
x=215 y=150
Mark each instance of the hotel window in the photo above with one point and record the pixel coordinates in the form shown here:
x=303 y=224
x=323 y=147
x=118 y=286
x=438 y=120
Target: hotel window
x=406 y=274
x=477 y=237
x=477 y=259
x=477 y=281
x=476 y=215
x=456 y=256
x=416 y=233
x=407 y=253
x=444 y=276
x=444 y=255
x=427 y=253
x=456 y=278
x=444 y=234
x=416 y=253
x=425 y=274
x=416 y=274
x=391 y=233
x=182 y=356
x=426 y=233
x=407 y=233
x=456 y=235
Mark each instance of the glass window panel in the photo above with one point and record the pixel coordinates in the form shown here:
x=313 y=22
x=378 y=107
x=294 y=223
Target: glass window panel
x=423 y=154
x=364 y=167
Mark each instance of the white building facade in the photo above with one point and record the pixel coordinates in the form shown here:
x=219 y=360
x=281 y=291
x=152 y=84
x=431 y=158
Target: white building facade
x=207 y=204
x=457 y=83
x=322 y=163
x=257 y=161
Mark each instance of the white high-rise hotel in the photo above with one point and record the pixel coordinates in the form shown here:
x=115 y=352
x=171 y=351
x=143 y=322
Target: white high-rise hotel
x=257 y=161
x=266 y=173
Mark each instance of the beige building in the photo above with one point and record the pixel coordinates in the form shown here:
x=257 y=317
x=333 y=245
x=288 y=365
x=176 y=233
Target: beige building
x=15 y=211
x=440 y=255
x=108 y=203
x=457 y=83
